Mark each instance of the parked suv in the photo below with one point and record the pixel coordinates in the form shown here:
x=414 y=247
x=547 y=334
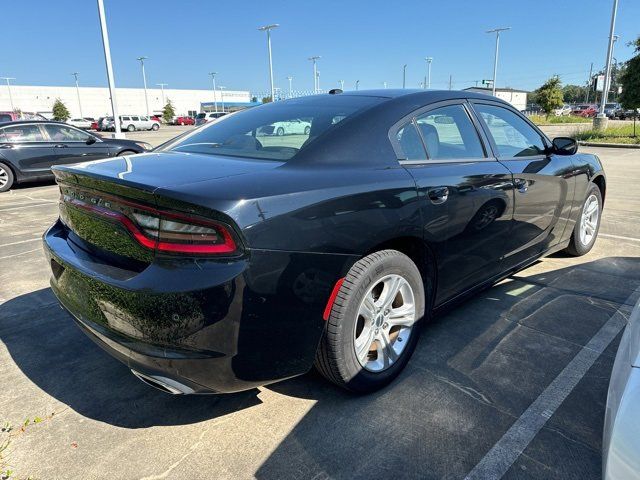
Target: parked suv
x=132 y=123
x=203 y=118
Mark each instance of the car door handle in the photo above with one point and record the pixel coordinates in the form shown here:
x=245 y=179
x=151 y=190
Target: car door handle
x=438 y=195
x=60 y=145
x=521 y=185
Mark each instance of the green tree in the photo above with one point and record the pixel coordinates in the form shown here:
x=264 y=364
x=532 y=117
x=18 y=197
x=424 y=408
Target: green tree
x=168 y=112
x=630 y=79
x=550 y=95
x=60 y=112
x=574 y=93
x=266 y=99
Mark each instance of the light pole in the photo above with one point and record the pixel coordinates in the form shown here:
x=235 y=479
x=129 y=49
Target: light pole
x=290 y=78
x=268 y=28
x=357 y=84
x=341 y=82
x=107 y=60
x=162 y=85
x=384 y=84
x=215 y=99
x=404 y=76
x=427 y=81
x=495 y=59
x=144 y=81
x=75 y=74
x=600 y=122
x=8 y=79
x=318 y=80
x=315 y=73
x=222 y=96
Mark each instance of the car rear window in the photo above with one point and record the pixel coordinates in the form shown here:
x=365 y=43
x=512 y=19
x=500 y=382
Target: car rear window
x=276 y=131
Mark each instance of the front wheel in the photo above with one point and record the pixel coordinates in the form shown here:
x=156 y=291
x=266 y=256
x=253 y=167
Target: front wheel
x=131 y=128
x=280 y=131
x=374 y=323
x=307 y=130
x=155 y=127
x=587 y=226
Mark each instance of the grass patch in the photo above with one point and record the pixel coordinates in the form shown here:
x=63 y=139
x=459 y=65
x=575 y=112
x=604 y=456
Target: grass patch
x=553 y=120
x=622 y=134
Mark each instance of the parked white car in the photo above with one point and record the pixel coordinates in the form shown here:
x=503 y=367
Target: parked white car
x=291 y=127
x=131 y=123
x=563 y=110
x=80 y=123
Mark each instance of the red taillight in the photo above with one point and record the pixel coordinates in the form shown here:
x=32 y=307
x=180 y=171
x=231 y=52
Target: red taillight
x=166 y=231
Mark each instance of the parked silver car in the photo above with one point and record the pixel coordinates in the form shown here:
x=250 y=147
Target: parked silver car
x=621 y=443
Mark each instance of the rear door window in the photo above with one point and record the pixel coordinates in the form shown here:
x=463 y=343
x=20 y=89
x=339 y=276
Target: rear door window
x=22 y=133
x=410 y=143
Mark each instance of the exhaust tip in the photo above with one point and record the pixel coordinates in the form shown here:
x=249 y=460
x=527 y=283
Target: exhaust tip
x=164 y=384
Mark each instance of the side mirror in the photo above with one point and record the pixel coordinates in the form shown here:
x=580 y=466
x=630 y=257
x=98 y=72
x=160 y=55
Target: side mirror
x=564 y=146
x=91 y=140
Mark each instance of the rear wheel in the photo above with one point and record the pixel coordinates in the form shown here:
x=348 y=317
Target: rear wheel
x=155 y=127
x=280 y=131
x=6 y=178
x=307 y=130
x=586 y=229
x=131 y=128
x=374 y=323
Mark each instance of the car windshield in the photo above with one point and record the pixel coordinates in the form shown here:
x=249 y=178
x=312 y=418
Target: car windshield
x=276 y=131
x=201 y=115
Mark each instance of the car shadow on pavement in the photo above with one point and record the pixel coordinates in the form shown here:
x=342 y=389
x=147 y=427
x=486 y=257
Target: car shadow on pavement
x=52 y=352
x=475 y=370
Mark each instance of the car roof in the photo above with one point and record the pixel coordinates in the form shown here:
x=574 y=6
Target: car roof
x=26 y=122
x=428 y=96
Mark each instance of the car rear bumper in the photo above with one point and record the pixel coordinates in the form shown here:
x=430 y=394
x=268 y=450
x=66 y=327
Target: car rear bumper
x=210 y=326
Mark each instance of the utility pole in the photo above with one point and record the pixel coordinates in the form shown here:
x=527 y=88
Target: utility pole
x=75 y=74
x=215 y=99
x=600 y=122
x=222 y=96
x=316 y=87
x=404 y=76
x=586 y=97
x=450 y=81
x=268 y=28
x=290 y=78
x=495 y=58
x=162 y=85
x=107 y=60
x=144 y=82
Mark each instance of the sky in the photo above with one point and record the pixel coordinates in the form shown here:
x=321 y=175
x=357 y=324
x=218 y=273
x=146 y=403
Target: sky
x=45 y=41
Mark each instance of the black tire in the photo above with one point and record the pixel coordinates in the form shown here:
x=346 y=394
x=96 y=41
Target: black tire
x=6 y=177
x=576 y=246
x=155 y=127
x=280 y=131
x=336 y=357
x=131 y=128
x=307 y=130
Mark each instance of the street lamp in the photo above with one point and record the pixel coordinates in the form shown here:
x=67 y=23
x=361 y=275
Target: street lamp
x=144 y=81
x=222 y=96
x=357 y=84
x=315 y=73
x=268 y=28
x=601 y=121
x=107 y=61
x=318 y=80
x=404 y=76
x=341 y=82
x=427 y=80
x=75 y=74
x=495 y=59
x=213 y=79
x=162 y=85
x=290 y=78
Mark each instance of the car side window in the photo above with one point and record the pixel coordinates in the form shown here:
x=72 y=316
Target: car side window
x=512 y=135
x=135 y=119
x=22 y=133
x=449 y=134
x=60 y=133
x=410 y=142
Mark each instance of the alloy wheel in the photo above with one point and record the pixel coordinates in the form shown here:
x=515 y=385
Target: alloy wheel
x=4 y=177
x=385 y=320
x=589 y=219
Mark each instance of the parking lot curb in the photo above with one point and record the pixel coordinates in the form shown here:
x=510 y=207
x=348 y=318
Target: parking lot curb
x=609 y=145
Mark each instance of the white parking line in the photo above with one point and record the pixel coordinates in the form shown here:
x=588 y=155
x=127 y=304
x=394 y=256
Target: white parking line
x=21 y=241
x=507 y=450
x=21 y=253
x=619 y=237
x=27 y=206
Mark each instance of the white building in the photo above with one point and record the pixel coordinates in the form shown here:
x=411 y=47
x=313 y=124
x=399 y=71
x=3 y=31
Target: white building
x=95 y=100
x=517 y=98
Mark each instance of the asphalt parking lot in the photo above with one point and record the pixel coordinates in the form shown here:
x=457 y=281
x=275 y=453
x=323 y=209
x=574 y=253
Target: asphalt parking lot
x=513 y=381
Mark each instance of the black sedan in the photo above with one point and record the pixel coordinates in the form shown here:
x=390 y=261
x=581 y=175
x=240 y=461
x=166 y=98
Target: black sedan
x=230 y=258
x=28 y=149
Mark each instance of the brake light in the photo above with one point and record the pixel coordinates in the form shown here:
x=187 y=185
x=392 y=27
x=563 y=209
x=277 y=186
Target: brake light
x=165 y=231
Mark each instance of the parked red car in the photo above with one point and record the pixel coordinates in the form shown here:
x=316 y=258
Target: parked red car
x=94 y=126
x=586 y=110
x=185 y=121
